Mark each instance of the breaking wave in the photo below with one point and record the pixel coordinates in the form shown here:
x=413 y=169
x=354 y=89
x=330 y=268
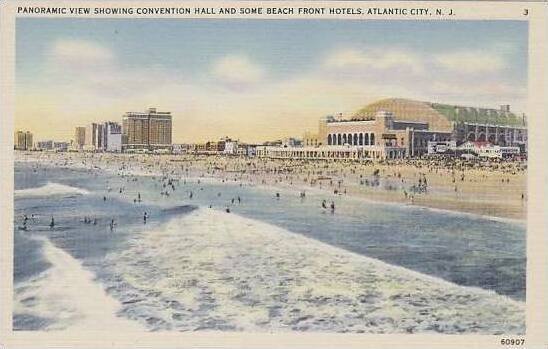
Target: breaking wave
x=66 y=297
x=210 y=270
x=50 y=189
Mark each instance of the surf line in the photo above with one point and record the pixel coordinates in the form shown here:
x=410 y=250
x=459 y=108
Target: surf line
x=60 y=287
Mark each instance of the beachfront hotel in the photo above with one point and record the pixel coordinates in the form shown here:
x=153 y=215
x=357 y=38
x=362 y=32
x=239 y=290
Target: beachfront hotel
x=143 y=131
x=23 y=140
x=79 y=138
x=401 y=128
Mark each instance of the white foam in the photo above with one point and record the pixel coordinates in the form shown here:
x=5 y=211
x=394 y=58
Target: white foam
x=68 y=294
x=50 y=189
x=246 y=269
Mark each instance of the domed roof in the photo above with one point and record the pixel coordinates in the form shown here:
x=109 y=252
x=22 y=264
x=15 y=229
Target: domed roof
x=408 y=110
x=438 y=116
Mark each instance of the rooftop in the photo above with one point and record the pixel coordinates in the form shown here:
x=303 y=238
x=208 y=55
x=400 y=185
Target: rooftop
x=438 y=115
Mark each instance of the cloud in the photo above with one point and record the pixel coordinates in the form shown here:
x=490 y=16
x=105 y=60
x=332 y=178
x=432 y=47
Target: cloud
x=237 y=70
x=470 y=62
x=86 y=81
x=378 y=59
x=77 y=53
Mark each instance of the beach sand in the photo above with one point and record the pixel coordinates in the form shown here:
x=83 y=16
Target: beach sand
x=487 y=189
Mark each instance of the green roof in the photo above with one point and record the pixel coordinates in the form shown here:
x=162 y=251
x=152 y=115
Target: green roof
x=478 y=115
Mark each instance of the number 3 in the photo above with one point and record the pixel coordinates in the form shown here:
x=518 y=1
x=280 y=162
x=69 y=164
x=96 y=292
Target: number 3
x=525 y=12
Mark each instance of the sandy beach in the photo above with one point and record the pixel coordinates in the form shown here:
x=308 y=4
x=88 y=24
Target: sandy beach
x=487 y=189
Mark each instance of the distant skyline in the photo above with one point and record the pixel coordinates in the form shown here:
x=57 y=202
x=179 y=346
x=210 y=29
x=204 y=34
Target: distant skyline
x=255 y=80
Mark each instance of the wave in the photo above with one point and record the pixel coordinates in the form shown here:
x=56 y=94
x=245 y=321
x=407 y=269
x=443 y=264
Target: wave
x=66 y=297
x=50 y=189
x=211 y=270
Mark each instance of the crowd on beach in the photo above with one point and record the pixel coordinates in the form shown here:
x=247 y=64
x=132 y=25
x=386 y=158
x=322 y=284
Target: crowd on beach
x=489 y=188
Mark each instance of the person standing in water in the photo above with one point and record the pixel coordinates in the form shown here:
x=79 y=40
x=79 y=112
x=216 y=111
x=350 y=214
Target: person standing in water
x=52 y=223
x=145 y=216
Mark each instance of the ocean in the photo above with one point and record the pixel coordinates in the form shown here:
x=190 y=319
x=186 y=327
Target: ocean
x=220 y=255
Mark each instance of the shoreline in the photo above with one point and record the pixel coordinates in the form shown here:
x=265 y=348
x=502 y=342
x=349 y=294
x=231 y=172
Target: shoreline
x=492 y=201
x=237 y=235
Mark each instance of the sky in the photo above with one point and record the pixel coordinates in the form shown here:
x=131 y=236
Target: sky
x=255 y=80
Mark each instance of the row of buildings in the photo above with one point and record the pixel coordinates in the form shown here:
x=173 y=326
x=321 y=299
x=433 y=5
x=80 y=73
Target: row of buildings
x=387 y=129
x=401 y=128
x=138 y=132
x=473 y=149
x=23 y=140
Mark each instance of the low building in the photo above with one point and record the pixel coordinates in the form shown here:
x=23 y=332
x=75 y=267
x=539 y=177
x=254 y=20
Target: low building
x=61 y=146
x=311 y=140
x=291 y=142
x=346 y=152
x=45 y=145
x=230 y=147
x=181 y=148
x=446 y=147
x=490 y=151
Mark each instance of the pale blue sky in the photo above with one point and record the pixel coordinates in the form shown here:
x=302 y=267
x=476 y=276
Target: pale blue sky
x=255 y=69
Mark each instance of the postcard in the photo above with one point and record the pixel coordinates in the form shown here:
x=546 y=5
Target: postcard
x=273 y=174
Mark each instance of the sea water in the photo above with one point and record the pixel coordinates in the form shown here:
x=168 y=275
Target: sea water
x=275 y=262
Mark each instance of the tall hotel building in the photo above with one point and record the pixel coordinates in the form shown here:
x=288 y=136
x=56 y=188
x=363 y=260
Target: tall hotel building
x=112 y=137
x=23 y=140
x=93 y=137
x=79 y=138
x=150 y=130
